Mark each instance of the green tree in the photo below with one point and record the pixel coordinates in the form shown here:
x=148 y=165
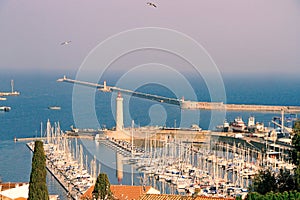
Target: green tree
x=264 y=182
x=296 y=153
x=296 y=144
x=102 y=188
x=285 y=181
x=37 y=185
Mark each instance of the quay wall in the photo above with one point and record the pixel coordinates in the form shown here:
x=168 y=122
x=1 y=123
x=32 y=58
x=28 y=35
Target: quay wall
x=237 y=107
x=9 y=93
x=159 y=134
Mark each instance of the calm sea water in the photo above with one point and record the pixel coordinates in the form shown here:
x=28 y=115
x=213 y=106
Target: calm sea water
x=40 y=91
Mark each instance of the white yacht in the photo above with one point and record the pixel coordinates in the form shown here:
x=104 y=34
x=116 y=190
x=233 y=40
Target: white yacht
x=5 y=108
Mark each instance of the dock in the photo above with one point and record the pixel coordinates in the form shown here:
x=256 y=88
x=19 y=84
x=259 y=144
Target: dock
x=70 y=174
x=15 y=93
x=193 y=105
x=44 y=138
x=125 y=146
x=66 y=161
x=12 y=92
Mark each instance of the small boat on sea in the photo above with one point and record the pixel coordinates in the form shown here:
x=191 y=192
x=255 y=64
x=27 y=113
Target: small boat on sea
x=5 y=108
x=54 y=107
x=2 y=98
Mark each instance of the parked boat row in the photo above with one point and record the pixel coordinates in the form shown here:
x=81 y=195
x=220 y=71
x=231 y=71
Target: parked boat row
x=199 y=172
x=65 y=165
x=282 y=130
x=239 y=126
x=219 y=170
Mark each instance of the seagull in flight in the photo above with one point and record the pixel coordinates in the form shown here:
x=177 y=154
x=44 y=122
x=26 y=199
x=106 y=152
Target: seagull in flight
x=151 y=4
x=66 y=42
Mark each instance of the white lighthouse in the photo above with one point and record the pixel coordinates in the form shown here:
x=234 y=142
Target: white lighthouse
x=119 y=112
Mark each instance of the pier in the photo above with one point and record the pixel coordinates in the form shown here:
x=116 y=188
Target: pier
x=185 y=104
x=15 y=93
x=126 y=146
x=12 y=93
x=193 y=105
x=66 y=162
x=53 y=172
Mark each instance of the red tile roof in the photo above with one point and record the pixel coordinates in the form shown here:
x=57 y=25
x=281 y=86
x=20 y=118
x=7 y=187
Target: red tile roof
x=178 y=197
x=128 y=192
x=122 y=192
x=6 y=186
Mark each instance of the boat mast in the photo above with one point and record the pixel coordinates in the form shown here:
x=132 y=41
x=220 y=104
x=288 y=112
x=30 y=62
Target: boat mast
x=282 y=121
x=132 y=126
x=41 y=129
x=48 y=131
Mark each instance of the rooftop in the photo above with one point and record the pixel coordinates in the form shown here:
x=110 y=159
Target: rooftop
x=125 y=191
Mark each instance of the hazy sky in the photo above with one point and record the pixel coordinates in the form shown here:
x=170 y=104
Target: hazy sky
x=241 y=36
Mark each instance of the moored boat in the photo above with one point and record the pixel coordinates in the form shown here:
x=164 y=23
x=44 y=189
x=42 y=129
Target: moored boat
x=238 y=125
x=224 y=127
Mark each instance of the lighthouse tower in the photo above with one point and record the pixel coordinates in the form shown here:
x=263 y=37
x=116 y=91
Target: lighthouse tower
x=119 y=112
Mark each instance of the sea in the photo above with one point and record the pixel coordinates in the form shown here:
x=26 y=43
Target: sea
x=29 y=113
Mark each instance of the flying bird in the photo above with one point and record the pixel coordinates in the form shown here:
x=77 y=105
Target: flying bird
x=151 y=4
x=66 y=42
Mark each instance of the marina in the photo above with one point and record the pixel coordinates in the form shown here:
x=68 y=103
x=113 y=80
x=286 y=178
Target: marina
x=218 y=168
x=182 y=160
x=174 y=160
x=68 y=168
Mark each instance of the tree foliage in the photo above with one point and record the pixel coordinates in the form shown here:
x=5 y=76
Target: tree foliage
x=102 y=188
x=291 y=195
x=285 y=181
x=37 y=185
x=296 y=144
x=268 y=181
x=286 y=185
x=264 y=182
x=296 y=153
